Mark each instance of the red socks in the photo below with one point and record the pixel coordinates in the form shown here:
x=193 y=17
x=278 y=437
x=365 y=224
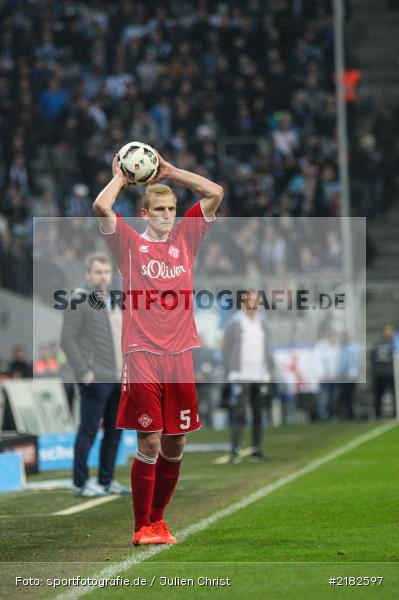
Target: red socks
x=153 y=482
x=167 y=474
x=142 y=480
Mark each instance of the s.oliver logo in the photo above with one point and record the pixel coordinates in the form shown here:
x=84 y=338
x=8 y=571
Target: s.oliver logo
x=159 y=269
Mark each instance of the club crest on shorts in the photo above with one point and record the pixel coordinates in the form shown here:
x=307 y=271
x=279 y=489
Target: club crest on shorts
x=175 y=252
x=144 y=420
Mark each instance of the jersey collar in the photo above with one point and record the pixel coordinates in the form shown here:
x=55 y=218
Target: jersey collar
x=150 y=239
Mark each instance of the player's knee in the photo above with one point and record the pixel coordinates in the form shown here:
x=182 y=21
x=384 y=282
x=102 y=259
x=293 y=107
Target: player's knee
x=150 y=447
x=172 y=446
x=179 y=445
x=149 y=443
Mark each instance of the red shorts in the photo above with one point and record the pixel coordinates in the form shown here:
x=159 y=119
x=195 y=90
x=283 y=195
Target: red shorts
x=158 y=393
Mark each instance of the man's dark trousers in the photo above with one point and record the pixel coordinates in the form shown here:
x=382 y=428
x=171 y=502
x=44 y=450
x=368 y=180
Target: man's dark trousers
x=97 y=401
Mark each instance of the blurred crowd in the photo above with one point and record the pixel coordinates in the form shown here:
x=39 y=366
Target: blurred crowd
x=48 y=363
x=269 y=246
x=253 y=248
x=244 y=95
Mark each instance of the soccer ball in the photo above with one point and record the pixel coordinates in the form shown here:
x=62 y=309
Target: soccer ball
x=138 y=162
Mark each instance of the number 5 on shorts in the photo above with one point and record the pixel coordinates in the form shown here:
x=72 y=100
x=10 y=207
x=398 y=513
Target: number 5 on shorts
x=185 y=418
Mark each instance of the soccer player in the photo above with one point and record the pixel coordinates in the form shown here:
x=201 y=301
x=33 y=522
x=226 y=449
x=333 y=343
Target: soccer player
x=158 y=397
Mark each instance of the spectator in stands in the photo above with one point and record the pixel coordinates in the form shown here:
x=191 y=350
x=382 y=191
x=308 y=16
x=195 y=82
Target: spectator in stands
x=97 y=365
x=285 y=137
x=273 y=251
x=19 y=367
x=333 y=251
x=45 y=206
x=77 y=205
x=369 y=173
x=330 y=189
x=308 y=262
x=52 y=102
x=247 y=365
x=382 y=368
x=47 y=363
x=19 y=175
x=352 y=79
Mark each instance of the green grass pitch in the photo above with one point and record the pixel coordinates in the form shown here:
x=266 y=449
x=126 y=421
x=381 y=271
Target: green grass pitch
x=341 y=520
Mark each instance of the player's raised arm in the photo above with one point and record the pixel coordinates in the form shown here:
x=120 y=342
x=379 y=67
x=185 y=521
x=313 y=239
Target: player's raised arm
x=211 y=193
x=102 y=205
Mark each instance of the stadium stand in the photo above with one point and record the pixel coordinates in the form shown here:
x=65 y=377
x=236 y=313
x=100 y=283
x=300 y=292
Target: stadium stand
x=262 y=120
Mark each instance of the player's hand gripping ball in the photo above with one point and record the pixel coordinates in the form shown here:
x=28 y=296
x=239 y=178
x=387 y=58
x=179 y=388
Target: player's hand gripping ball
x=138 y=162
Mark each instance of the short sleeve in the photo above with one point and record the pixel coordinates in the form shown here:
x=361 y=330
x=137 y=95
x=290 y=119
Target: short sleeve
x=194 y=226
x=118 y=240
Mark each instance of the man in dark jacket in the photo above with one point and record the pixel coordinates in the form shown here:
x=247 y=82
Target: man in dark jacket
x=91 y=341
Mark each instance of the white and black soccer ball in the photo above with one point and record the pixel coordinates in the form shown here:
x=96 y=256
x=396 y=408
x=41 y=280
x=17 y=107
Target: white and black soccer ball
x=138 y=162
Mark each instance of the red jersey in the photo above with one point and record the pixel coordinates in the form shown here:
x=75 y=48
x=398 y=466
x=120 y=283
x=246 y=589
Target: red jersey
x=157 y=276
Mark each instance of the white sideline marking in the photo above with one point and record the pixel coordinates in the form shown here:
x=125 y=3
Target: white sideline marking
x=115 y=569
x=222 y=460
x=84 y=506
x=49 y=484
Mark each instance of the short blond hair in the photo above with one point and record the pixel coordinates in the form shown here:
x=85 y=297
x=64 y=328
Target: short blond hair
x=156 y=189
